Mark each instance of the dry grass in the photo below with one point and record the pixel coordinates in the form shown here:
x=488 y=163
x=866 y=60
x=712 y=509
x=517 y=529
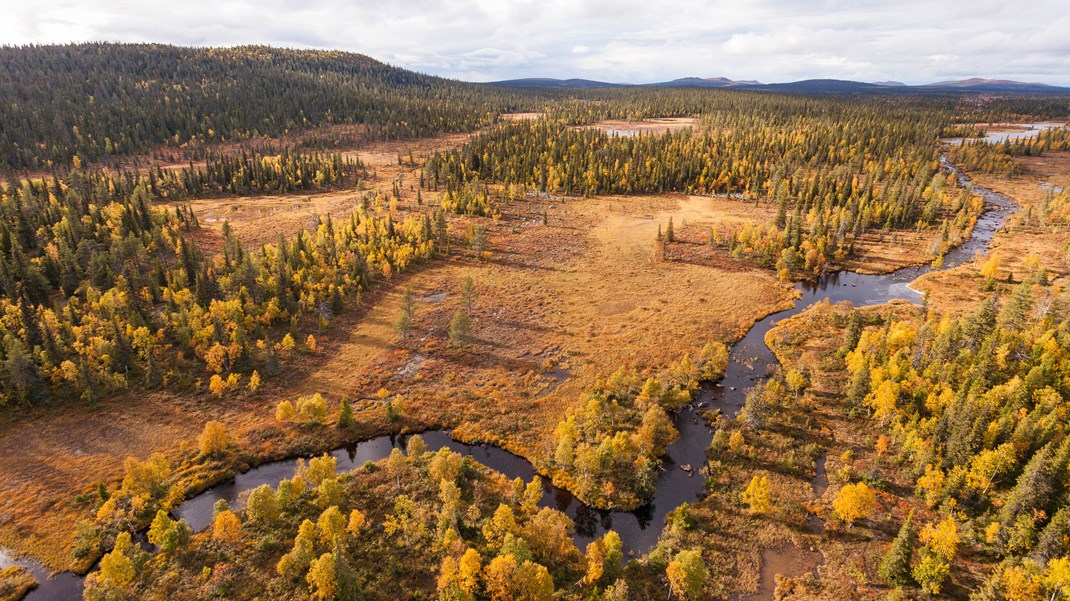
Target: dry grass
x=15 y=582
x=586 y=294
x=877 y=253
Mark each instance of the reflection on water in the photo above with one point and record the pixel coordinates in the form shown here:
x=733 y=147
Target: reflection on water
x=1030 y=130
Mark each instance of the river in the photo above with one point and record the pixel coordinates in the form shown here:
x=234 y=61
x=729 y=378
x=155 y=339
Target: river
x=750 y=360
x=1030 y=130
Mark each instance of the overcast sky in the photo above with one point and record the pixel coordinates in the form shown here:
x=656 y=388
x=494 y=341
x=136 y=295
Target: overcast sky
x=914 y=41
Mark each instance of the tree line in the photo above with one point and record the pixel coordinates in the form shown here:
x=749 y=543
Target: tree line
x=99 y=101
x=250 y=172
x=999 y=157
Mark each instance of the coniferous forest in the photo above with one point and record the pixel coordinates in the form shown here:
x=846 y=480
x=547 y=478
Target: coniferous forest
x=213 y=259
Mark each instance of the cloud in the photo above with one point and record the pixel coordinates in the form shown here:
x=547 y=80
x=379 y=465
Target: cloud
x=915 y=41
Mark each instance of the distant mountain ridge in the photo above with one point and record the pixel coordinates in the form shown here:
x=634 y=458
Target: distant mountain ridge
x=975 y=84
x=707 y=82
x=549 y=82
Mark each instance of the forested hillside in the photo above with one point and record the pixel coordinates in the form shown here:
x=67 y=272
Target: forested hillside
x=96 y=101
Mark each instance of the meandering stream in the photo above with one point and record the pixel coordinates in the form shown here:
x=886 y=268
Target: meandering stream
x=750 y=360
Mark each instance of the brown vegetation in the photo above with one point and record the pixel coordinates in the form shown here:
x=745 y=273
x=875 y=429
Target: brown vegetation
x=15 y=582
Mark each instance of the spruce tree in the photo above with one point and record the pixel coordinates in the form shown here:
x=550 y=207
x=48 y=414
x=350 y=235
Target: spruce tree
x=895 y=567
x=345 y=415
x=468 y=294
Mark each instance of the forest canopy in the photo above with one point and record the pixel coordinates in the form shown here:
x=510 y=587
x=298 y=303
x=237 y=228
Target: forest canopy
x=98 y=101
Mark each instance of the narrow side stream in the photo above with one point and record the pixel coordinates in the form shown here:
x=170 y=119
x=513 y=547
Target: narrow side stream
x=750 y=362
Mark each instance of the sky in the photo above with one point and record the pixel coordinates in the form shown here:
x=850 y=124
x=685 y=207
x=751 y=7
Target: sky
x=626 y=41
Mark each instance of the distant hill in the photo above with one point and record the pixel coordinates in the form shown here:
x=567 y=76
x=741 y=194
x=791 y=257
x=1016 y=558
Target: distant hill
x=148 y=95
x=996 y=85
x=848 y=86
x=806 y=86
x=549 y=82
x=708 y=82
x=824 y=85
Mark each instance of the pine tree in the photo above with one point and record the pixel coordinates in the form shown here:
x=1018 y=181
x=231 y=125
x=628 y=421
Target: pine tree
x=781 y=200
x=1016 y=310
x=468 y=294
x=853 y=333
